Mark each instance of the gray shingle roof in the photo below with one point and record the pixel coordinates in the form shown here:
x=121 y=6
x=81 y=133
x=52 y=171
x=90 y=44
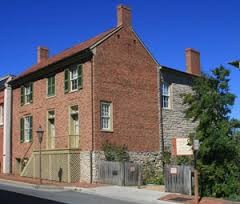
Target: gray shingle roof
x=3 y=80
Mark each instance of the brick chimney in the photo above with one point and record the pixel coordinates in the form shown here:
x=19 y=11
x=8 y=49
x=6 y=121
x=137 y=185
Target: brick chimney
x=42 y=54
x=124 y=16
x=193 y=62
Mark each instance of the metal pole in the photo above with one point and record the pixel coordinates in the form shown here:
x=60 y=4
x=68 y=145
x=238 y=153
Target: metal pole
x=195 y=178
x=196 y=186
x=40 y=164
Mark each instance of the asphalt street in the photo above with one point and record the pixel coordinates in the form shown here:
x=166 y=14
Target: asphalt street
x=12 y=193
x=11 y=197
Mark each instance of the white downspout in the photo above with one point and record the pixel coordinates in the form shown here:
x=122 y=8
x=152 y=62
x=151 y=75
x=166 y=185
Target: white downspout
x=7 y=129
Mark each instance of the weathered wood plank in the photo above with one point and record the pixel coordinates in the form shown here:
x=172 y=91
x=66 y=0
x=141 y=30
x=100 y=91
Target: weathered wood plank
x=181 y=182
x=118 y=173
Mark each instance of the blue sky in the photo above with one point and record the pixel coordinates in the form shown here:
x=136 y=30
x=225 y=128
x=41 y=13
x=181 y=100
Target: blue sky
x=167 y=27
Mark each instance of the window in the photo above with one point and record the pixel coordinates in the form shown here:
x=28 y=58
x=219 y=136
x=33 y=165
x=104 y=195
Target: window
x=106 y=116
x=51 y=130
x=73 y=78
x=26 y=129
x=26 y=94
x=1 y=114
x=165 y=95
x=51 y=86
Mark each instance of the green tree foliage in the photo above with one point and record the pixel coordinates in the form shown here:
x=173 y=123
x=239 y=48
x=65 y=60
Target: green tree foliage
x=115 y=152
x=152 y=175
x=218 y=157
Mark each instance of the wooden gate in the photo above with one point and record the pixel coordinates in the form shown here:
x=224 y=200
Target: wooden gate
x=118 y=173
x=178 y=179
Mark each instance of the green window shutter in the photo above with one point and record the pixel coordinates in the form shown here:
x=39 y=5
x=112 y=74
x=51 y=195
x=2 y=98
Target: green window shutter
x=49 y=86
x=22 y=95
x=31 y=92
x=80 y=77
x=31 y=128
x=66 y=81
x=53 y=85
x=22 y=130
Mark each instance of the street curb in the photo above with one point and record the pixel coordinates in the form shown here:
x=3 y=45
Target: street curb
x=16 y=182
x=36 y=186
x=46 y=187
x=49 y=187
x=72 y=188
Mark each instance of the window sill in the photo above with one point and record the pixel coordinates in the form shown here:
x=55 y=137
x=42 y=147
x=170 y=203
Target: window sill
x=109 y=131
x=69 y=92
x=166 y=108
x=25 y=104
x=24 y=142
x=48 y=97
x=73 y=91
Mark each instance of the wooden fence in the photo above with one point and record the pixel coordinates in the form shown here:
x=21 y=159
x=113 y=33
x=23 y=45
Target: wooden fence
x=118 y=173
x=178 y=179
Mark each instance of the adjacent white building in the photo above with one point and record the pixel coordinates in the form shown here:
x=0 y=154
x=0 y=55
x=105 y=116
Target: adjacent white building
x=5 y=124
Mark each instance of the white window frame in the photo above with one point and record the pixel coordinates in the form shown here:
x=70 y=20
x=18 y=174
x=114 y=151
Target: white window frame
x=1 y=114
x=106 y=116
x=74 y=110
x=73 y=79
x=27 y=129
x=27 y=93
x=166 y=95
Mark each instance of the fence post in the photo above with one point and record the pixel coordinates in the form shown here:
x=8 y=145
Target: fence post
x=123 y=173
x=139 y=176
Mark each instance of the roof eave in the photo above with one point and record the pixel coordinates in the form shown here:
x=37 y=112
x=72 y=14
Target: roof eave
x=165 y=68
x=80 y=57
x=106 y=37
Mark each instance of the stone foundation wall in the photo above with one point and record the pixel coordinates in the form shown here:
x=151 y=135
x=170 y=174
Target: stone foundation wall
x=147 y=158
x=85 y=166
x=144 y=158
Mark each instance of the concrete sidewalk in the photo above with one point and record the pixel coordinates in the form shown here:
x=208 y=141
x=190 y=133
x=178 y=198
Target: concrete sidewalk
x=130 y=194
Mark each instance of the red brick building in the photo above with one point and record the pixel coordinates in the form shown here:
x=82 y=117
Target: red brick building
x=103 y=89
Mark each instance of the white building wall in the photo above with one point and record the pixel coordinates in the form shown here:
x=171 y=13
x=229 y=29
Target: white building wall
x=7 y=129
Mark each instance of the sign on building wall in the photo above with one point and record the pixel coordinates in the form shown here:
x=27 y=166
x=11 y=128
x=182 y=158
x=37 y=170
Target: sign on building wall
x=180 y=147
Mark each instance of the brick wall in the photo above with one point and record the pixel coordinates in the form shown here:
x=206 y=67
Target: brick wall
x=61 y=104
x=126 y=75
